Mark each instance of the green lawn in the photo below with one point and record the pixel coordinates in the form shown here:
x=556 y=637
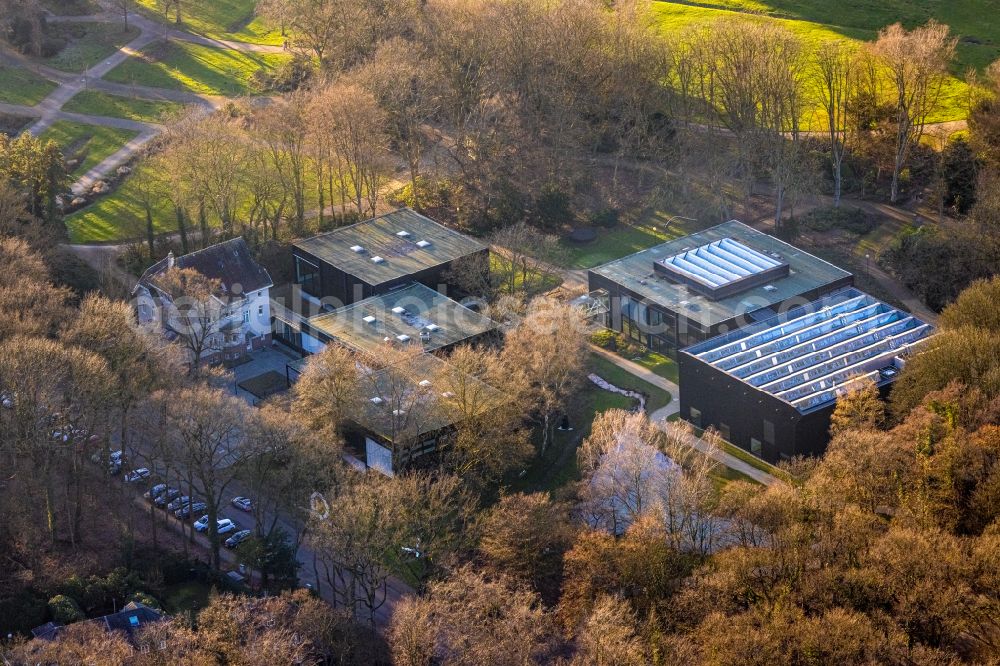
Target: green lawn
x=610 y=372
x=664 y=366
x=752 y=460
x=815 y=21
x=19 y=86
x=88 y=43
x=87 y=143
x=115 y=106
x=539 y=282
x=558 y=466
x=199 y=69
x=120 y=215
x=218 y=19
x=653 y=226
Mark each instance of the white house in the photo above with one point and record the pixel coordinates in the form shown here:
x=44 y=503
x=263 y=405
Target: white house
x=240 y=312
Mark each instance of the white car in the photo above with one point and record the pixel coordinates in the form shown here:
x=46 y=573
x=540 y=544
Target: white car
x=137 y=475
x=222 y=525
x=243 y=504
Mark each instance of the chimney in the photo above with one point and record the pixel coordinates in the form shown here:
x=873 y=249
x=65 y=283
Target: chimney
x=170 y=259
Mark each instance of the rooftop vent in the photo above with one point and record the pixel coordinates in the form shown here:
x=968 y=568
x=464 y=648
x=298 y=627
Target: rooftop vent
x=368 y=320
x=403 y=234
x=399 y=310
x=377 y=400
x=377 y=260
x=423 y=243
x=433 y=327
x=357 y=248
x=403 y=337
x=424 y=382
x=770 y=287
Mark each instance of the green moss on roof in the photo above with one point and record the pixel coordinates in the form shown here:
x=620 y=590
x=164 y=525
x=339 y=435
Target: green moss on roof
x=445 y=322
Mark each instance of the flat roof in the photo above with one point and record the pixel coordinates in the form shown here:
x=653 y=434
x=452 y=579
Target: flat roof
x=805 y=273
x=390 y=246
x=403 y=402
x=414 y=314
x=810 y=355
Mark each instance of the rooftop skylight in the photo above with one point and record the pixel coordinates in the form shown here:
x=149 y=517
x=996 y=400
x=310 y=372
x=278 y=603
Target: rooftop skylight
x=722 y=267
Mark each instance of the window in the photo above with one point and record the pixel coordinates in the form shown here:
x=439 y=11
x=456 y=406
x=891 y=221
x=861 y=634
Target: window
x=768 y=432
x=696 y=417
x=260 y=310
x=307 y=276
x=755 y=446
x=246 y=316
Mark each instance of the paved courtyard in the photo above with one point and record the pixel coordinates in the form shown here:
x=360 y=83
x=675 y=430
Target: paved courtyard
x=272 y=359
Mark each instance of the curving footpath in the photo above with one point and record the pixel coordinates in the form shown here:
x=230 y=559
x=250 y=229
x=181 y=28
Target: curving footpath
x=50 y=109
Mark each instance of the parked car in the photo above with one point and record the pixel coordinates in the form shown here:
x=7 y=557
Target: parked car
x=225 y=526
x=243 y=504
x=155 y=491
x=137 y=475
x=222 y=525
x=238 y=538
x=103 y=455
x=189 y=510
x=178 y=502
x=168 y=495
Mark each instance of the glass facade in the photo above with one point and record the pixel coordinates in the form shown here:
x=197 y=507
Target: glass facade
x=307 y=276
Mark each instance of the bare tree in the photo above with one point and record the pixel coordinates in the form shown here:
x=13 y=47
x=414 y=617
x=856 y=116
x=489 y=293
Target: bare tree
x=550 y=348
x=373 y=518
x=56 y=399
x=329 y=391
x=284 y=128
x=915 y=64
x=487 y=406
x=208 y=431
x=407 y=88
x=467 y=620
x=834 y=64
x=358 y=144
x=522 y=258
x=191 y=306
x=124 y=6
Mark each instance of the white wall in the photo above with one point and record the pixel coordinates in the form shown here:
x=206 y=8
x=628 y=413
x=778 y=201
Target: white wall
x=378 y=457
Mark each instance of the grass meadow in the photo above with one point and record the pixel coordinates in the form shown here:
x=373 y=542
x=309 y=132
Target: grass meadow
x=200 y=69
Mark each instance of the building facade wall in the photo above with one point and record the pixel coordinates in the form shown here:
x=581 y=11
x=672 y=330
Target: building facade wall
x=655 y=326
x=663 y=330
x=755 y=421
x=340 y=288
